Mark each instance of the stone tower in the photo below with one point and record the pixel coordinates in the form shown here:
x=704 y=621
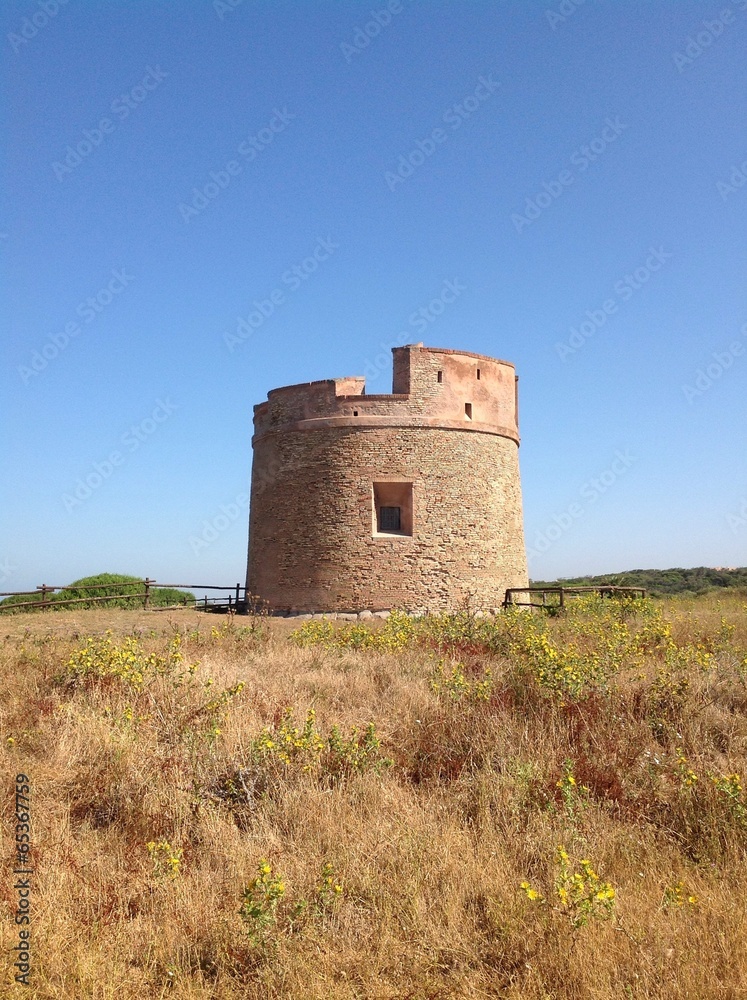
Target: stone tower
x=406 y=500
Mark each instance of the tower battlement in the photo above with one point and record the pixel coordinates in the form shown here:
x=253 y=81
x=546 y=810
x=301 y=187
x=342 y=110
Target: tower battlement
x=431 y=387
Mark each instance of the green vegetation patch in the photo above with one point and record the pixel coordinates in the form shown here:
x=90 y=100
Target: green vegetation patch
x=89 y=589
x=661 y=582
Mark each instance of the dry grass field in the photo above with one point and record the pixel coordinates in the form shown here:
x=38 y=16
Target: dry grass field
x=524 y=807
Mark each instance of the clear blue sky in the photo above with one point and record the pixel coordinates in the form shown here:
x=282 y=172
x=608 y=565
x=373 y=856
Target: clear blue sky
x=169 y=165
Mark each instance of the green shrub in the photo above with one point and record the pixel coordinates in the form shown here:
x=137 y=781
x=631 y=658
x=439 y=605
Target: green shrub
x=105 y=585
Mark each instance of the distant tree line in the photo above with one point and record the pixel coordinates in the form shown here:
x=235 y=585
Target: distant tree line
x=661 y=582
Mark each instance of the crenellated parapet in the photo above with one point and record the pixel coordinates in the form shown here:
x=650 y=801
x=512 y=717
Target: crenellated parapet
x=432 y=387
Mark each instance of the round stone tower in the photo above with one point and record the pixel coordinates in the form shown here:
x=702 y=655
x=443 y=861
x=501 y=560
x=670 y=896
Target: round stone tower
x=407 y=500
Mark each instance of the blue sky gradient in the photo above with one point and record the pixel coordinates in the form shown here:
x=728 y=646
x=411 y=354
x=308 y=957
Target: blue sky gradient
x=205 y=200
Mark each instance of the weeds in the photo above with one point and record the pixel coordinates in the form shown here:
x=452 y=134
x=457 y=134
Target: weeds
x=260 y=902
x=261 y=908
x=677 y=895
x=455 y=686
x=165 y=858
x=575 y=797
x=220 y=813
x=731 y=793
x=579 y=895
x=125 y=663
x=304 y=749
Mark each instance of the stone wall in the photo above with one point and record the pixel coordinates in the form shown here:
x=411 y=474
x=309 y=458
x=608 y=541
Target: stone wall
x=320 y=448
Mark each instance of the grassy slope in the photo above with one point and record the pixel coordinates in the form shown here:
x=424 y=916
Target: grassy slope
x=430 y=852
x=662 y=582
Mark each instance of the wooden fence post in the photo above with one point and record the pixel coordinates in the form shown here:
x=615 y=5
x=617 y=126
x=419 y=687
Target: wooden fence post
x=43 y=589
x=562 y=597
x=146 y=599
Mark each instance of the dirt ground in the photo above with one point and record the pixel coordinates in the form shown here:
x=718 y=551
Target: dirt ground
x=97 y=621
x=164 y=621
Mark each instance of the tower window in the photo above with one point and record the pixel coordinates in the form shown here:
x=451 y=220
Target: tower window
x=355 y=413
x=478 y=374
x=392 y=509
x=439 y=376
x=468 y=411
x=390 y=519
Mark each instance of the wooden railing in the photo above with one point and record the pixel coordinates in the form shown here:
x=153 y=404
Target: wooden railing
x=235 y=598
x=564 y=592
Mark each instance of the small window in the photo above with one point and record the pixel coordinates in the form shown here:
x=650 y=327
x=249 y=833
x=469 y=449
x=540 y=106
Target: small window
x=468 y=411
x=439 y=376
x=392 y=509
x=390 y=519
x=355 y=413
x=478 y=374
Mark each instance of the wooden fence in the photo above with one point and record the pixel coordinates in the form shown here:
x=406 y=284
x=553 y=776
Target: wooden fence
x=563 y=592
x=234 y=598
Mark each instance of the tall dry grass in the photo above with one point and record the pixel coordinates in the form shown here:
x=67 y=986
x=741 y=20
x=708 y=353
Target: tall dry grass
x=614 y=732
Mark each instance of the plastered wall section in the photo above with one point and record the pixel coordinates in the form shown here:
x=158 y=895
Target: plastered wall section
x=417 y=398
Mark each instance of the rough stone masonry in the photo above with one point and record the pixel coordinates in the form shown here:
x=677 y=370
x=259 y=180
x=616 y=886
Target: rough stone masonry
x=406 y=500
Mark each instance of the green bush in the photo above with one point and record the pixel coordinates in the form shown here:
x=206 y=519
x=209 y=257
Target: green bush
x=662 y=582
x=105 y=585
